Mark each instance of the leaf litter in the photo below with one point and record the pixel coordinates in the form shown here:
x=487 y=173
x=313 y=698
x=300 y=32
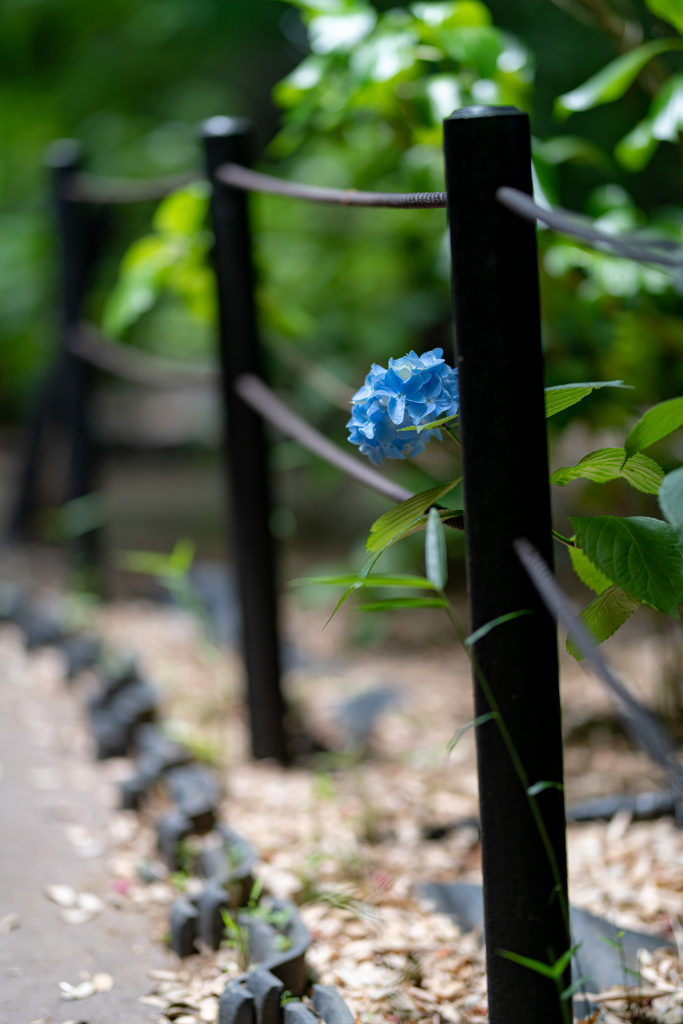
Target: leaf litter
x=354 y=848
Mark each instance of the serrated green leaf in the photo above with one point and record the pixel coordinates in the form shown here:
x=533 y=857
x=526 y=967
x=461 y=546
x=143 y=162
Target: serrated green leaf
x=389 y=526
x=605 y=464
x=396 y=603
x=565 y=395
x=612 y=81
x=587 y=572
x=640 y=554
x=669 y=10
x=656 y=423
x=435 y=551
x=604 y=616
x=671 y=500
x=373 y=580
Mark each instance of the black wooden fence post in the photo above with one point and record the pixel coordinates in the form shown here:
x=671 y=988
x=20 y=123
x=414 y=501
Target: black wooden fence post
x=502 y=423
x=63 y=410
x=227 y=141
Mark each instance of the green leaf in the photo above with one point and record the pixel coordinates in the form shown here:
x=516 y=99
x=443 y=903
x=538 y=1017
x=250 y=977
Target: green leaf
x=640 y=554
x=431 y=426
x=606 y=464
x=540 y=787
x=663 y=123
x=374 y=580
x=488 y=626
x=455 y=739
x=526 y=961
x=671 y=500
x=394 y=522
x=574 y=987
x=565 y=395
x=668 y=10
x=396 y=603
x=435 y=551
x=604 y=616
x=587 y=572
x=656 y=423
x=612 y=81
x=184 y=211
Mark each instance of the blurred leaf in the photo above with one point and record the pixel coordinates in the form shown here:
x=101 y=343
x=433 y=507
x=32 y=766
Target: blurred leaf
x=436 y=562
x=604 y=615
x=476 y=46
x=431 y=426
x=397 y=519
x=640 y=554
x=455 y=739
x=663 y=123
x=540 y=787
x=374 y=580
x=562 y=396
x=656 y=423
x=671 y=500
x=452 y=13
x=669 y=10
x=605 y=464
x=480 y=633
x=564 y=148
x=612 y=81
x=396 y=603
x=587 y=572
x=183 y=212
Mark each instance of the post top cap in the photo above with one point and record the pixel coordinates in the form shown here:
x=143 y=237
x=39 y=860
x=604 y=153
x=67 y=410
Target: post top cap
x=471 y=113
x=222 y=126
x=63 y=153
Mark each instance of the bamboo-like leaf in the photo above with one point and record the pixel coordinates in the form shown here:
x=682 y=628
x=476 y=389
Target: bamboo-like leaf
x=587 y=572
x=488 y=626
x=671 y=500
x=436 y=562
x=605 y=464
x=475 y=723
x=394 y=522
x=565 y=395
x=431 y=426
x=392 y=604
x=612 y=81
x=656 y=423
x=540 y=787
x=669 y=10
x=373 y=580
x=640 y=554
x=537 y=966
x=604 y=616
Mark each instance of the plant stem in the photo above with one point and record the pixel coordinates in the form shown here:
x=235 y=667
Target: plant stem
x=563 y=540
x=516 y=761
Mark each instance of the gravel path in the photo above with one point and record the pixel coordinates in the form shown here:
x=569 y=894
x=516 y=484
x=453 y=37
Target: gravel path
x=54 y=805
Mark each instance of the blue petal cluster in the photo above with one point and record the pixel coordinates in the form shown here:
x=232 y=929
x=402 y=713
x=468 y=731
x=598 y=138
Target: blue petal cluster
x=413 y=390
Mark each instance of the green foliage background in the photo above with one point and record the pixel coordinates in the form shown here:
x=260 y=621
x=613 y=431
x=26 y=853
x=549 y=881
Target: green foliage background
x=132 y=80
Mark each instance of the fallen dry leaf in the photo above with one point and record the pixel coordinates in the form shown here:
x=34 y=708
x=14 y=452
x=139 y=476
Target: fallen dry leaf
x=103 y=982
x=82 y=991
x=8 y=923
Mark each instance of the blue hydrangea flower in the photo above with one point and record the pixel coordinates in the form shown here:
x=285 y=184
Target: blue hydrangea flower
x=413 y=390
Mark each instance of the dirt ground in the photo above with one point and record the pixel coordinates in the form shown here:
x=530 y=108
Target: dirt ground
x=343 y=835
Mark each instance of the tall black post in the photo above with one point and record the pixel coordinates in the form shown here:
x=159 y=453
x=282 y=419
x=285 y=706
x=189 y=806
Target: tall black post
x=227 y=140
x=63 y=414
x=505 y=460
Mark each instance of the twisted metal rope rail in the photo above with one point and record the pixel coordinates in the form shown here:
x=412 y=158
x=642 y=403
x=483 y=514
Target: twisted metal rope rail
x=253 y=181
x=631 y=247
x=87 y=343
x=91 y=188
x=265 y=402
